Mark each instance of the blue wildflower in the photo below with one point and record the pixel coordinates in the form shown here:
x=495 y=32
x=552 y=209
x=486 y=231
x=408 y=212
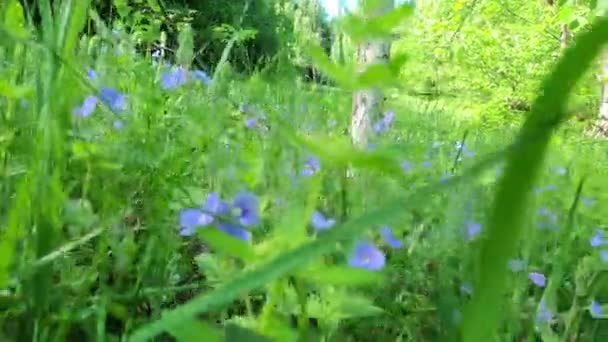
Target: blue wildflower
x=202 y=76
x=588 y=201
x=319 y=222
x=604 y=255
x=249 y=208
x=560 y=171
x=516 y=265
x=595 y=309
x=597 y=239
x=235 y=231
x=389 y=238
x=173 y=78
x=367 y=256
x=312 y=166
x=385 y=122
x=87 y=108
x=113 y=99
x=91 y=74
x=473 y=229
x=118 y=124
x=407 y=166
x=427 y=164
x=538 y=279
x=251 y=123
x=544 y=315
x=189 y=220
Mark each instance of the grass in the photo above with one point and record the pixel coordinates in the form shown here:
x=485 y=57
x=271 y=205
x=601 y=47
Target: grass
x=90 y=248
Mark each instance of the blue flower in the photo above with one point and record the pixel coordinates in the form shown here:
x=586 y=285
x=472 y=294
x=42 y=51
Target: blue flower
x=249 y=208
x=561 y=171
x=516 y=265
x=189 y=220
x=320 y=222
x=235 y=231
x=473 y=229
x=389 y=238
x=202 y=76
x=427 y=164
x=595 y=309
x=118 y=124
x=538 y=279
x=173 y=78
x=87 y=108
x=588 y=201
x=312 y=166
x=604 y=255
x=251 y=123
x=385 y=122
x=597 y=239
x=215 y=209
x=544 y=315
x=91 y=74
x=407 y=166
x=367 y=256
x=113 y=99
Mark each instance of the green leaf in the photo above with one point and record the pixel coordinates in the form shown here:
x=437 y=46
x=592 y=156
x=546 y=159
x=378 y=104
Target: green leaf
x=342 y=275
x=506 y=220
x=195 y=330
x=236 y=333
x=339 y=151
x=341 y=74
x=357 y=306
x=14 y=21
x=226 y=244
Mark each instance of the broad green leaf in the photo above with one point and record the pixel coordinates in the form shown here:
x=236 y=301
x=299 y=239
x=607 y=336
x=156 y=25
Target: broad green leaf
x=236 y=333
x=196 y=330
x=343 y=75
x=226 y=244
x=342 y=275
x=506 y=220
x=357 y=306
x=14 y=21
x=339 y=151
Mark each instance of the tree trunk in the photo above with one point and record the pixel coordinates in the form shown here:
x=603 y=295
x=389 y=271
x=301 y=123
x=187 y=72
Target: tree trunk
x=368 y=103
x=564 y=35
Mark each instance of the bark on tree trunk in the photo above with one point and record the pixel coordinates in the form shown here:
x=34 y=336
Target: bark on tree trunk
x=564 y=35
x=368 y=103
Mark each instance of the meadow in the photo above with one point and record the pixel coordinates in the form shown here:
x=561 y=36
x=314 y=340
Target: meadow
x=143 y=200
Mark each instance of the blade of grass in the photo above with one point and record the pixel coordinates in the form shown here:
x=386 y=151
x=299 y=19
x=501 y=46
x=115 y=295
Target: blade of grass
x=483 y=313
